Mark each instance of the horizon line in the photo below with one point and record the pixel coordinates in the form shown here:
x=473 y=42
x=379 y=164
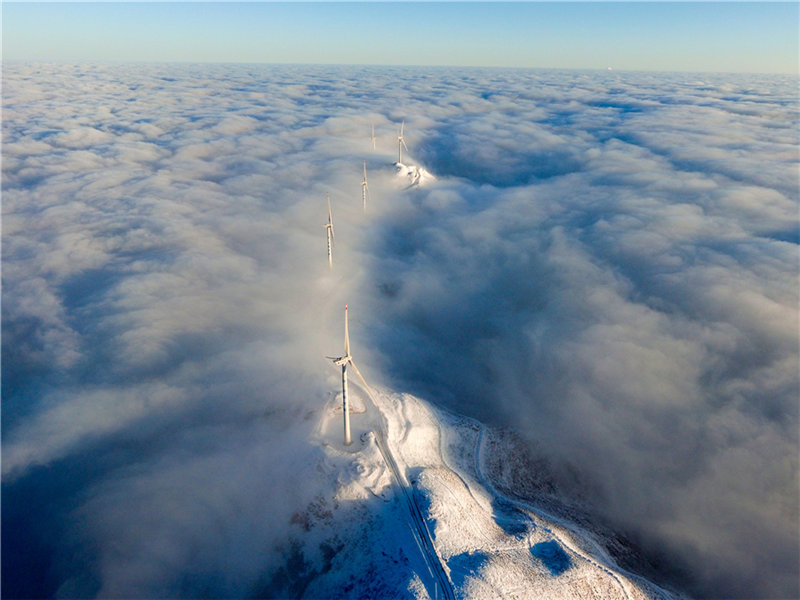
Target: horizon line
x=610 y=69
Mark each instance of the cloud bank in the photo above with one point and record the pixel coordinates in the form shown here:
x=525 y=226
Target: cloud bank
x=606 y=262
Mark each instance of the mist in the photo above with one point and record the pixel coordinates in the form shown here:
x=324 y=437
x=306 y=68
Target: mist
x=606 y=262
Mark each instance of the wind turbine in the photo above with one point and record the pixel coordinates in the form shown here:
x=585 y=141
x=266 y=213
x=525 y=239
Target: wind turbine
x=343 y=361
x=373 y=136
x=329 y=233
x=364 y=188
x=401 y=143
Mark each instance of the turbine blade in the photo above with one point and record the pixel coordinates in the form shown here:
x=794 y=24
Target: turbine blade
x=330 y=222
x=346 y=334
x=404 y=144
x=364 y=383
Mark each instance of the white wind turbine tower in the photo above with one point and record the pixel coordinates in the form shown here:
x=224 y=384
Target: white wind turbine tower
x=364 y=188
x=401 y=143
x=343 y=361
x=329 y=233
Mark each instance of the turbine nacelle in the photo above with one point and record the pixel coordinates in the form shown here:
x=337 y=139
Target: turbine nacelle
x=342 y=360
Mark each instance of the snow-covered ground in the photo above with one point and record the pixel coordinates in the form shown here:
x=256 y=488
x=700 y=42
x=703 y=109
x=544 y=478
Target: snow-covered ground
x=488 y=544
x=413 y=174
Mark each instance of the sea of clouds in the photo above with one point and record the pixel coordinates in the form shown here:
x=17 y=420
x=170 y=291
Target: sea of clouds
x=607 y=262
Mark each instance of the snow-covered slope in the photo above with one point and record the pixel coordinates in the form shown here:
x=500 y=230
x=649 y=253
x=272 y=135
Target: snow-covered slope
x=413 y=174
x=488 y=545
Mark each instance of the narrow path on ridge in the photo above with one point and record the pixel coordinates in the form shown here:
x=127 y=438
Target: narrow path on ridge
x=422 y=533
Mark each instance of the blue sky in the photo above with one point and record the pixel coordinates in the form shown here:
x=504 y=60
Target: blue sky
x=744 y=37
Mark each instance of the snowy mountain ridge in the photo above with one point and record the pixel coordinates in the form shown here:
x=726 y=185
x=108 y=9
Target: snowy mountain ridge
x=488 y=545
x=412 y=509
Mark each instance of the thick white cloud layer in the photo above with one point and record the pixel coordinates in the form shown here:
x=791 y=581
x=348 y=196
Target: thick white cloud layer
x=606 y=261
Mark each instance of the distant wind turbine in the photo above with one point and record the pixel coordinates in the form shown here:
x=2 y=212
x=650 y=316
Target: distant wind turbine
x=343 y=361
x=401 y=143
x=364 y=188
x=373 y=137
x=329 y=233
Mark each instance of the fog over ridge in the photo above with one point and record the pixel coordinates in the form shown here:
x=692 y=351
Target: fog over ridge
x=606 y=262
